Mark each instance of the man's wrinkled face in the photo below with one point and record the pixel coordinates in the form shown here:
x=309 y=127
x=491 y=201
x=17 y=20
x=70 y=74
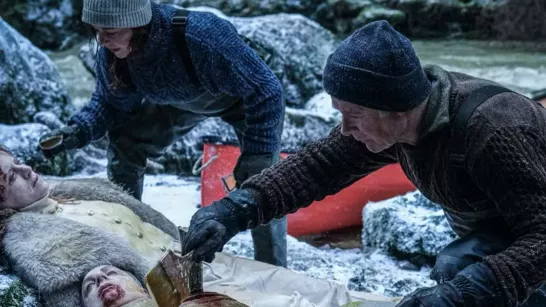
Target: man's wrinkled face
x=378 y=130
x=108 y=286
x=117 y=40
x=20 y=186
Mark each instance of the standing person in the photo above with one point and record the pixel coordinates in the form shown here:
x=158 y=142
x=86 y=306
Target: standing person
x=161 y=71
x=474 y=147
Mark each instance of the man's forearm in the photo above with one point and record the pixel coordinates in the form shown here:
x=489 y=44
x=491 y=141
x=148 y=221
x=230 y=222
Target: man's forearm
x=264 y=118
x=322 y=168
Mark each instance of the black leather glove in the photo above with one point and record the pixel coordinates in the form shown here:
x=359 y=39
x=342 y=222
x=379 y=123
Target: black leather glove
x=444 y=295
x=475 y=286
x=213 y=226
x=250 y=164
x=70 y=140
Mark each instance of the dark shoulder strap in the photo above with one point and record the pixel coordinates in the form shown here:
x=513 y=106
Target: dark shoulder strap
x=458 y=125
x=178 y=22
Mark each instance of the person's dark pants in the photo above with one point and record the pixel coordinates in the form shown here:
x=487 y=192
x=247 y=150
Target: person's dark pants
x=473 y=248
x=149 y=134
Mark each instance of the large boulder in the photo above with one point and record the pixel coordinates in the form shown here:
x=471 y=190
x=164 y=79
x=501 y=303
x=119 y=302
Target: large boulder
x=299 y=46
x=49 y=24
x=22 y=140
x=408 y=227
x=29 y=81
x=418 y=18
x=445 y=18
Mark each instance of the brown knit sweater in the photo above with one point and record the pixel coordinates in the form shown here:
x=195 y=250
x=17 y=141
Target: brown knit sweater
x=504 y=185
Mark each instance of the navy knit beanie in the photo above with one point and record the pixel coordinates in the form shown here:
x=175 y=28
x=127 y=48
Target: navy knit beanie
x=376 y=67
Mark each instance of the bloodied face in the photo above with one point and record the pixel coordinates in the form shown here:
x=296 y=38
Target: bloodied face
x=117 y=40
x=20 y=186
x=108 y=286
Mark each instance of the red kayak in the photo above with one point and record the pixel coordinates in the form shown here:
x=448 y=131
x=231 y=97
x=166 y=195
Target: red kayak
x=334 y=212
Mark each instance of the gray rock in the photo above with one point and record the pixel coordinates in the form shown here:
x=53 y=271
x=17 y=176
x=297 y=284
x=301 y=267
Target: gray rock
x=432 y=18
x=49 y=24
x=408 y=226
x=22 y=140
x=422 y=18
x=300 y=47
x=87 y=55
x=29 y=81
x=378 y=12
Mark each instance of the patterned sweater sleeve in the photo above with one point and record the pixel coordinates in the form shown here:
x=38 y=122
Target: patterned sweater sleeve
x=322 y=168
x=511 y=169
x=225 y=64
x=100 y=115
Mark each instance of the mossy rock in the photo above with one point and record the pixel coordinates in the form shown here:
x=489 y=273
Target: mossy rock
x=13 y=293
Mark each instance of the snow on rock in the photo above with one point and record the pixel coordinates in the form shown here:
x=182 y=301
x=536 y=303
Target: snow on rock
x=370 y=271
x=13 y=293
x=49 y=24
x=22 y=140
x=87 y=55
x=299 y=46
x=408 y=226
x=321 y=105
x=29 y=81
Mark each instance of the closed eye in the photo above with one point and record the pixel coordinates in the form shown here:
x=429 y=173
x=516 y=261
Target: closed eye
x=88 y=288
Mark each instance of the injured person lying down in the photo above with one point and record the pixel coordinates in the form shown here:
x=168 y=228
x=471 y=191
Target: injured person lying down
x=85 y=242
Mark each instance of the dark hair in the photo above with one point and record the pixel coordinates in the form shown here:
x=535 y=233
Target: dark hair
x=118 y=71
x=3 y=188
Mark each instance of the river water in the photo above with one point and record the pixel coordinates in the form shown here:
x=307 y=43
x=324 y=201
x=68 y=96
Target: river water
x=518 y=68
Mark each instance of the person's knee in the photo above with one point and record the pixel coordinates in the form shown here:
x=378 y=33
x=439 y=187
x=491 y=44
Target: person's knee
x=465 y=251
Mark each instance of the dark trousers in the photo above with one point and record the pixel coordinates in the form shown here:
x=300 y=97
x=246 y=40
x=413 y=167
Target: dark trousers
x=473 y=248
x=149 y=134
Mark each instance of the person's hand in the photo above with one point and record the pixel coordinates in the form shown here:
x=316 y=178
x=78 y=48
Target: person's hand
x=68 y=140
x=213 y=226
x=474 y=286
x=444 y=295
x=250 y=164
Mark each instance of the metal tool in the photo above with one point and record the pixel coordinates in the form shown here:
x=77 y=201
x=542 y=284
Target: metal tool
x=51 y=142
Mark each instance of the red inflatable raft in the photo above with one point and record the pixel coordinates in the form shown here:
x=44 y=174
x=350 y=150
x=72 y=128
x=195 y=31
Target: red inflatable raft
x=337 y=211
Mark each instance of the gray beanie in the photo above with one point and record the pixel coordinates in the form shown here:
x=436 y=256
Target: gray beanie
x=117 y=13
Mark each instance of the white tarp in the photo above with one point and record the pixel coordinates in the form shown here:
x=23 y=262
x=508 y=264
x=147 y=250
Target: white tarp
x=259 y=284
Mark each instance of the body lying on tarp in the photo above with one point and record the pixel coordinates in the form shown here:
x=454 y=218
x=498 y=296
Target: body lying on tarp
x=52 y=254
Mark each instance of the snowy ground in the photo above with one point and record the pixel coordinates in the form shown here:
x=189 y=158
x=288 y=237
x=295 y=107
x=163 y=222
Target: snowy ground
x=371 y=270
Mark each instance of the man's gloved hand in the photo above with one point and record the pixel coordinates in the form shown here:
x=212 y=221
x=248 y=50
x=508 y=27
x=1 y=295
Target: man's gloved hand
x=475 y=286
x=444 y=295
x=213 y=226
x=70 y=140
x=250 y=164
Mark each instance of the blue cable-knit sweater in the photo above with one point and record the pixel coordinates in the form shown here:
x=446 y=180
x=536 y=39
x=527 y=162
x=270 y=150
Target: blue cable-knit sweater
x=224 y=65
